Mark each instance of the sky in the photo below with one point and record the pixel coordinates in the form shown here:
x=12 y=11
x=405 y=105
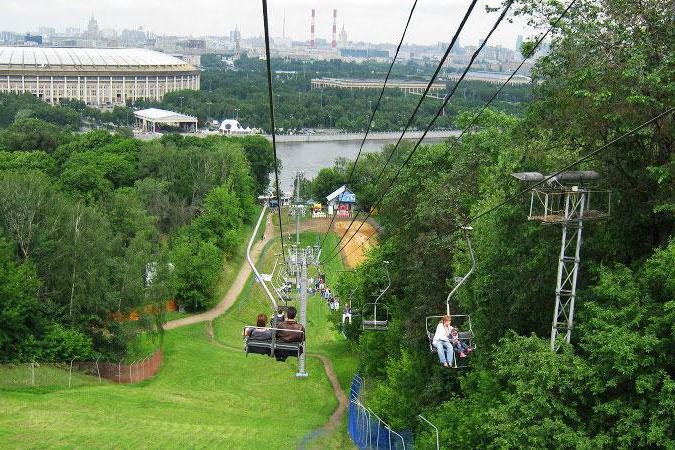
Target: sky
x=374 y=21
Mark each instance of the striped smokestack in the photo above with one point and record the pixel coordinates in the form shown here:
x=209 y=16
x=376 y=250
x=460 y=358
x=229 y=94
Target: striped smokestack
x=312 y=44
x=334 y=43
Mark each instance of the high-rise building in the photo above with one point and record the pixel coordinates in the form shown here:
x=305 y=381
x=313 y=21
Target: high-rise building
x=343 y=36
x=92 y=28
x=519 y=42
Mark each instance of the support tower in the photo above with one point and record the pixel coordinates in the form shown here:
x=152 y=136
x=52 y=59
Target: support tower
x=565 y=199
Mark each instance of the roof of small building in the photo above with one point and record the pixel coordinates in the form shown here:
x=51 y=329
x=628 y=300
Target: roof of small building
x=162 y=115
x=338 y=192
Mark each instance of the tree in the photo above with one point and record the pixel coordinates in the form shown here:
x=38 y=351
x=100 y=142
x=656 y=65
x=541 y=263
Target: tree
x=198 y=265
x=32 y=134
x=20 y=315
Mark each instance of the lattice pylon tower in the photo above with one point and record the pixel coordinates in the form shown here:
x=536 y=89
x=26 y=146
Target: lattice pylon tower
x=566 y=201
x=568 y=267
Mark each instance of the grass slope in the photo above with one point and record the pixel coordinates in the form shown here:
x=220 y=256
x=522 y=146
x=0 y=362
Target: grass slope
x=203 y=397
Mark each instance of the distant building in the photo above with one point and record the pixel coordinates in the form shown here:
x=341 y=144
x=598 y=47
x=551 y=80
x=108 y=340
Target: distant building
x=95 y=76
x=365 y=53
x=343 y=37
x=34 y=38
x=134 y=36
x=193 y=44
x=413 y=87
x=92 y=28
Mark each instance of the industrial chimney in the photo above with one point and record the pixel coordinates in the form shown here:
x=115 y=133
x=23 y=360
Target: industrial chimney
x=334 y=43
x=312 y=44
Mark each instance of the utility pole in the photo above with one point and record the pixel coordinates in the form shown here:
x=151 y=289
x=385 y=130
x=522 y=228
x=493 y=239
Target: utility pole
x=566 y=199
x=298 y=207
x=302 y=372
x=297 y=260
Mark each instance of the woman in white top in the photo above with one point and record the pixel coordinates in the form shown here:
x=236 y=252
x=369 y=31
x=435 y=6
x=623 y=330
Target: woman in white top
x=441 y=341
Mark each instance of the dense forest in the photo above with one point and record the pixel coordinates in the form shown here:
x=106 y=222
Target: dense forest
x=97 y=226
x=611 y=68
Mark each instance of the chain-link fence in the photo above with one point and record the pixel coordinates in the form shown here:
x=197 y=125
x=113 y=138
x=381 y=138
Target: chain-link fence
x=367 y=430
x=78 y=373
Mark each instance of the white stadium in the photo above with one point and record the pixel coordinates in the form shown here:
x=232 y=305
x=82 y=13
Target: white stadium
x=96 y=76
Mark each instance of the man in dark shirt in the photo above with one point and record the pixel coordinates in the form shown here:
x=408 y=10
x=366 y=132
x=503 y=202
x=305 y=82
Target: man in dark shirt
x=290 y=324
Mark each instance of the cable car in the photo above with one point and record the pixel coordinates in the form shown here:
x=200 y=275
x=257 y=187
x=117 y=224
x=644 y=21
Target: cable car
x=465 y=336
x=378 y=321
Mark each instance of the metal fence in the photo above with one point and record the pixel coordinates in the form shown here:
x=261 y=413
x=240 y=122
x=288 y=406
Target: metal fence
x=367 y=429
x=77 y=373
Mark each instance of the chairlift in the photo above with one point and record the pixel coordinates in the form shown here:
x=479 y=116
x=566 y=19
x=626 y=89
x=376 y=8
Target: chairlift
x=274 y=347
x=377 y=321
x=347 y=316
x=466 y=336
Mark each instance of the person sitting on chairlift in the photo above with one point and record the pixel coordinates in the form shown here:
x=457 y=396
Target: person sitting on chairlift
x=290 y=324
x=441 y=341
x=459 y=346
x=259 y=332
x=289 y=336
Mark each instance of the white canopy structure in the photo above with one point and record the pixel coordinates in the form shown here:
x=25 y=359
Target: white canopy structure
x=148 y=119
x=232 y=126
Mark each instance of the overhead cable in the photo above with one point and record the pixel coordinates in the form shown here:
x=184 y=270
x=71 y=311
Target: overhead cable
x=271 y=101
x=468 y=13
x=372 y=116
x=426 y=130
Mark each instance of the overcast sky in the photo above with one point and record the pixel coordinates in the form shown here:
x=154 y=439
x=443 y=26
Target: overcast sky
x=364 y=20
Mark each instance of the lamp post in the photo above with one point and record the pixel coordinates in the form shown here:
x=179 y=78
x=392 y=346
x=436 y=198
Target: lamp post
x=181 y=102
x=236 y=112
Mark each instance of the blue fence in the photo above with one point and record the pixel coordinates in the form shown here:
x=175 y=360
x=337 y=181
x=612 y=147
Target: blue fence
x=367 y=430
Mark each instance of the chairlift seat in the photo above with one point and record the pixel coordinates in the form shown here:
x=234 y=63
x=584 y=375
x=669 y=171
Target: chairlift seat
x=376 y=323
x=273 y=347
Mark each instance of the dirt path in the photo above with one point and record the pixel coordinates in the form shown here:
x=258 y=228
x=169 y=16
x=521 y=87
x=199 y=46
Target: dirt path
x=336 y=418
x=355 y=252
x=234 y=290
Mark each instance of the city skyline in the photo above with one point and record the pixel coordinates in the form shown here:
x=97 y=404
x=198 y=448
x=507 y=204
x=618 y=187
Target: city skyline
x=428 y=26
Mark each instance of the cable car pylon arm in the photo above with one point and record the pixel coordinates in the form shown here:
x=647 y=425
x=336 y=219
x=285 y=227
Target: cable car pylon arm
x=468 y=274
x=384 y=291
x=275 y=307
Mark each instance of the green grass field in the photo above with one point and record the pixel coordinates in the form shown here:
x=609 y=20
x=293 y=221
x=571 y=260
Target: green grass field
x=205 y=396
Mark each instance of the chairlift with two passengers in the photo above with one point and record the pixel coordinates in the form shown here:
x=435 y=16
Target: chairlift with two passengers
x=378 y=321
x=272 y=346
x=459 y=321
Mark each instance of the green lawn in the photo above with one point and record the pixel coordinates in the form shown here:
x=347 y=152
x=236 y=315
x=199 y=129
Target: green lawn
x=204 y=396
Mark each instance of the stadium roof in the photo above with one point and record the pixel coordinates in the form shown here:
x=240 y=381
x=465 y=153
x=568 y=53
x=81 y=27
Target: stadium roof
x=57 y=57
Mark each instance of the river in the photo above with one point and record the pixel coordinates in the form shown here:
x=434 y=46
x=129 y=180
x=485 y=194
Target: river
x=311 y=157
